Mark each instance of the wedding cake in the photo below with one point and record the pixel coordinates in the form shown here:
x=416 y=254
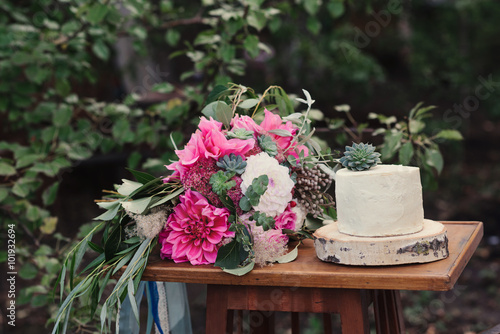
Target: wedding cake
x=382 y=201
x=380 y=220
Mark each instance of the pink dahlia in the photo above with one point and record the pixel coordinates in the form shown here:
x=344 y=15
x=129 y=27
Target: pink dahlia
x=194 y=230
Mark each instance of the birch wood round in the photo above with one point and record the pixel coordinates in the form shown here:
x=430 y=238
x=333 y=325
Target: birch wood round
x=428 y=245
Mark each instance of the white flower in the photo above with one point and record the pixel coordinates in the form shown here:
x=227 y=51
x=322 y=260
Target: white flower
x=301 y=216
x=279 y=190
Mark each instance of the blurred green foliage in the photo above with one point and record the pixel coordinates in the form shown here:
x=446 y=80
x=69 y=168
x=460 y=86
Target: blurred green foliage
x=58 y=105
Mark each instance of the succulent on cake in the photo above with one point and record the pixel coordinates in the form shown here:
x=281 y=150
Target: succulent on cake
x=360 y=157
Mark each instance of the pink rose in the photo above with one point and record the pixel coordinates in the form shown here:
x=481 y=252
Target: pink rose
x=286 y=220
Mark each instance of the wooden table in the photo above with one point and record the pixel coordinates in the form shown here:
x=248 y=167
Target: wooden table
x=310 y=285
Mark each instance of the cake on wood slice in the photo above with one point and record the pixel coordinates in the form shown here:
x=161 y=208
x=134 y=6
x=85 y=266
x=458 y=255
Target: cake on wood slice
x=382 y=201
x=430 y=244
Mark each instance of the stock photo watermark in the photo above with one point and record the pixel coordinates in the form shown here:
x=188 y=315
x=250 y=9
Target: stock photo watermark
x=373 y=28
x=11 y=274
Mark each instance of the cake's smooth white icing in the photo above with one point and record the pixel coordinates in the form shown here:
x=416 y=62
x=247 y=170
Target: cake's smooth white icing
x=382 y=201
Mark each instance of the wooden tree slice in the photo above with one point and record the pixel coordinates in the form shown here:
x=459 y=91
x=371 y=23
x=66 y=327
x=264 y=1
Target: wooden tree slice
x=430 y=244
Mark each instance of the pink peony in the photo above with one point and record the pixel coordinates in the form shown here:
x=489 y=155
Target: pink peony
x=208 y=142
x=271 y=122
x=194 y=230
x=287 y=219
x=247 y=123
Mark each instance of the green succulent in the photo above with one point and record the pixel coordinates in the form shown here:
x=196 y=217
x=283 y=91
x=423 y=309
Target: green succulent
x=221 y=182
x=267 y=145
x=232 y=163
x=240 y=133
x=360 y=157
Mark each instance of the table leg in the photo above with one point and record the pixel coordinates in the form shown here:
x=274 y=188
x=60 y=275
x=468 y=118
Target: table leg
x=217 y=321
x=388 y=312
x=354 y=311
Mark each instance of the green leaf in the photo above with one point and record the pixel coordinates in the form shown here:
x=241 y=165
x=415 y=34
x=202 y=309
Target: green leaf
x=256 y=19
x=281 y=132
x=209 y=110
x=137 y=206
x=248 y=103
x=260 y=184
x=336 y=8
x=313 y=25
x=392 y=142
x=434 y=158
x=311 y=6
x=121 y=131
x=27 y=160
x=416 y=126
x=62 y=115
x=100 y=49
x=133 y=159
x=49 y=194
x=4 y=192
x=39 y=300
x=49 y=225
x=223 y=113
x=95 y=247
x=450 y=134
x=169 y=197
x=28 y=271
x=141 y=177
x=110 y=214
x=113 y=242
x=172 y=37
x=163 y=87
x=230 y=255
x=245 y=204
x=251 y=45
x=96 y=13
x=128 y=187
x=132 y=300
x=406 y=153
x=241 y=270
x=290 y=256
x=227 y=52
x=63 y=87
x=217 y=93
x=6 y=169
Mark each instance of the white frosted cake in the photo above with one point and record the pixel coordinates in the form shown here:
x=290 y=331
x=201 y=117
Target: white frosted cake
x=385 y=200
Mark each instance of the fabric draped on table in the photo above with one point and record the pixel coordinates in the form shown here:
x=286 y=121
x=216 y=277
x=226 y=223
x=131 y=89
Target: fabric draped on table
x=168 y=309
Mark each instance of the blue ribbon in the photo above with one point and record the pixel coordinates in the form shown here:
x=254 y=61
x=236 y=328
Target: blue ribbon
x=154 y=297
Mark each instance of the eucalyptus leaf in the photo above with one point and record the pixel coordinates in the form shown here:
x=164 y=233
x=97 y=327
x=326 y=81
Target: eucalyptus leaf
x=169 y=197
x=223 y=113
x=241 y=270
x=128 y=187
x=110 y=214
x=281 y=132
x=290 y=256
x=137 y=206
x=248 y=103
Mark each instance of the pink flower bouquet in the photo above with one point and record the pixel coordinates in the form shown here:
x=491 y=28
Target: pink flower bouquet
x=238 y=191
x=240 y=188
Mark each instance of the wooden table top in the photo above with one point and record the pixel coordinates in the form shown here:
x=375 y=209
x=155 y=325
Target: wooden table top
x=308 y=271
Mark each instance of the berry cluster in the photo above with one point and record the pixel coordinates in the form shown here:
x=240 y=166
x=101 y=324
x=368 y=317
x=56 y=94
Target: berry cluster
x=310 y=189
